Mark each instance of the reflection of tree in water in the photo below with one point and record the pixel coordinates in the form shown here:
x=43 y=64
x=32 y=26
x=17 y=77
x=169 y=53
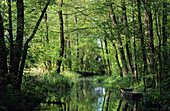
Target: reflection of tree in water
x=128 y=105
x=84 y=97
x=113 y=102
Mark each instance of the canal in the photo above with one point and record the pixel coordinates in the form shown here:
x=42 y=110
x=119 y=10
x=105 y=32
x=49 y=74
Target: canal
x=87 y=95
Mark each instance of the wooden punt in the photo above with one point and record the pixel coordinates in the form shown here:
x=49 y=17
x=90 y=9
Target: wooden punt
x=125 y=90
x=129 y=94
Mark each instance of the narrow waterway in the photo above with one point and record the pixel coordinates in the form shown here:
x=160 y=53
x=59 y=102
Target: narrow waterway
x=87 y=95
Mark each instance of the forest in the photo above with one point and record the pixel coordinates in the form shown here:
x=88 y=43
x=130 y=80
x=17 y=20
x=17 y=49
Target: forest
x=51 y=47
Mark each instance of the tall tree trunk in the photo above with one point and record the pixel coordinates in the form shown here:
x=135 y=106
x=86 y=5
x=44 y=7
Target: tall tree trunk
x=142 y=43
x=119 y=42
x=3 y=52
x=116 y=54
x=47 y=63
x=19 y=38
x=134 y=42
x=81 y=59
x=65 y=44
x=147 y=32
x=61 y=38
x=107 y=54
x=24 y=55
x=165 y=35
x=10 y=33
x=68 y=45
x=46 y=25
x=149 y=40
x=69 y=53
x=104 y=61
x=117 y=59
x=159 y=64
x=127 y=38
x=77 y=44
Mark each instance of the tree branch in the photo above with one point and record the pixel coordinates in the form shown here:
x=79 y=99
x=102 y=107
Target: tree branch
x=24 y=55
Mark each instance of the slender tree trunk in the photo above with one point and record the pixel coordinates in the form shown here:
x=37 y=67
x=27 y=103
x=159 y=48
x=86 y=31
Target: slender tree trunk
x=122 y=55
x=19 y=38
x=81 y=59
x=119 y=42
x=134 y=42
x=69 y=52
x=148 y=32
x=117 y=59
x=61 y=38
x=48 y=61
x=159 y=64
x=3 y=52
x=66 y=43
x=149 y=40
x=10 y=33
x=116 y=55
x=24 y=55
x=107 y=53
x=127 y=38
x=142 y=43
x=164 y=33
x=165 y=44
x=152 y=40
x=77 y=44
x=104 y=61
x=46 y=26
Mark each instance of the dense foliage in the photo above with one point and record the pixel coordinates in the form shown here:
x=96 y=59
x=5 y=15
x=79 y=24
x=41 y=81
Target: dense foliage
x=124 y=40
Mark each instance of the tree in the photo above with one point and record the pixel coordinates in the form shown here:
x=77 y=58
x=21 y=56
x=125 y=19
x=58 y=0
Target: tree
x=17 y=53
x=127 y=37
x=24 y=55
x=119 y=42
x=61 y=37
x=134 y=41
x=149 y=37
x=3 y=52
x=10 y=33
x=19 y=39
x=144 y=69
x=165 y=48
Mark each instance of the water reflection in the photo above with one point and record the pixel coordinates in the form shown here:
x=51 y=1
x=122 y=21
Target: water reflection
x=87 y=95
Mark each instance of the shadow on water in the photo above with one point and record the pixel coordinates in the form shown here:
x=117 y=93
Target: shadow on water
x=87 y=95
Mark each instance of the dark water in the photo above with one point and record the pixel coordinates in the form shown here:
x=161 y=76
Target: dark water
x=87 y=95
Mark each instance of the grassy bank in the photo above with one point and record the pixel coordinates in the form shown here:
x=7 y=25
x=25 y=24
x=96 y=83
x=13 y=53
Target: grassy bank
x=36 y=87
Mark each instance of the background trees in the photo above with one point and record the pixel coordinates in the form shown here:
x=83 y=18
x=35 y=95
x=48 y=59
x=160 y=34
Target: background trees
x=122 y=38
x=18 y=50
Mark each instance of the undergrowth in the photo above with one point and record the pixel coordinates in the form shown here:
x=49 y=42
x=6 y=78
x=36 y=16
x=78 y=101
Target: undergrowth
x=35 y=89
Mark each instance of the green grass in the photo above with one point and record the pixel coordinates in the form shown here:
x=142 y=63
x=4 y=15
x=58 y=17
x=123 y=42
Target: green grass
x=36 y=87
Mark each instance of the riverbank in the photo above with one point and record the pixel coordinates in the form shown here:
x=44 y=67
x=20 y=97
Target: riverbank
x=41 y=90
